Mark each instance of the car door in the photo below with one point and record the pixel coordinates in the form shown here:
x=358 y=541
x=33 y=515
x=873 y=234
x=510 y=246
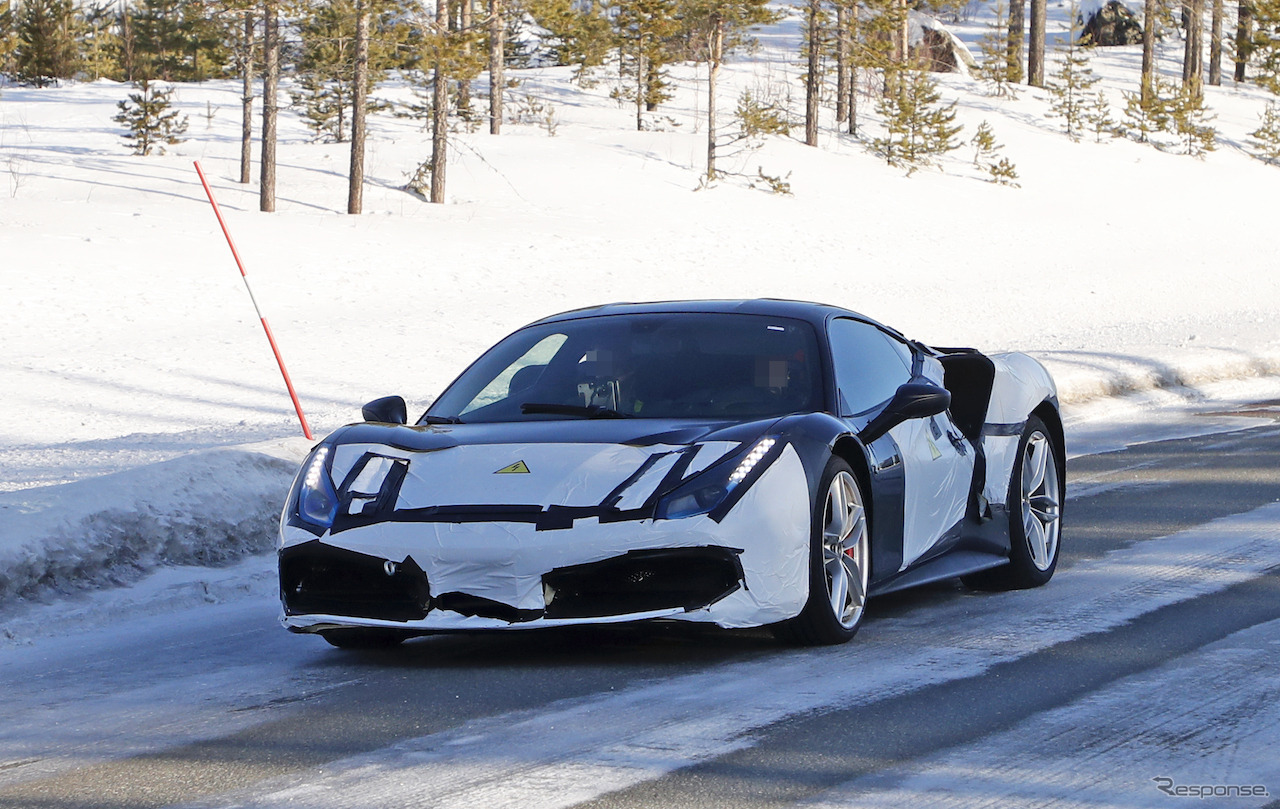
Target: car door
x=938 y=463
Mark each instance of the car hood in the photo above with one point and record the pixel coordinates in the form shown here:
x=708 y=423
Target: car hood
x=573 y=463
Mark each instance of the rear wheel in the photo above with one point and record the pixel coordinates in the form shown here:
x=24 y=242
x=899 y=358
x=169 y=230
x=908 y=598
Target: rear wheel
x=839 y=562
x=363 y=638
x=1035 y=515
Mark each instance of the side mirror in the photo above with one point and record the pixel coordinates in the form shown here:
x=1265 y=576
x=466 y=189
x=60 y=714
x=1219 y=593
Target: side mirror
x=914 y=400
x=387 y=410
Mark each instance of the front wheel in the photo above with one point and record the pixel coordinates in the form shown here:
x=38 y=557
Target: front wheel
x=839 y=562
x=1035 y=515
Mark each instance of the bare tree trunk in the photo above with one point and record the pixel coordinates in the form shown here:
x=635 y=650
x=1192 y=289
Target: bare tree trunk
x=812 y=80
x=853 y=100
x=128 y=42
x=902 y=37
x=1215 y=44
x=270 y=84
x=1017 y=34
x=1193 y=53
x=464 y=85
x=1035 y=45
x=359 y=92
x=842 y=62
x=497 y=53
x=853 y=72
x=246 y=102
x=440 y=110
x=640 y=75
x=1244 y=35
x=1148 y=80
x=715 y=52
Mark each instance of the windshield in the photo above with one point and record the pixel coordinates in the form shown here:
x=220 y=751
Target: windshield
x=703 y=366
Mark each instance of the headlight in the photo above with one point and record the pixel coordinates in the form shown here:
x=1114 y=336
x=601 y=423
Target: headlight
x=317 y=498
x=708 y=489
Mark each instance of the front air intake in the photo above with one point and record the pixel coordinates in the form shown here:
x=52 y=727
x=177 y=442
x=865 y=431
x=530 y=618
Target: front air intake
x=318 y=579
x=643 y=581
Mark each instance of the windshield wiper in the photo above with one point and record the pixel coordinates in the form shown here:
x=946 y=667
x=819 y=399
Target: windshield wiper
x=586 y=411
x=429 y=419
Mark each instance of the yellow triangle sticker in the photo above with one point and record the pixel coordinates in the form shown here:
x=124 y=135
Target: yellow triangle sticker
x=517 y=468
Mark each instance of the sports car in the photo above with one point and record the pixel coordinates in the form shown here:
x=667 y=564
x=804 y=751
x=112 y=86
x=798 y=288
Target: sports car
x=738 y=463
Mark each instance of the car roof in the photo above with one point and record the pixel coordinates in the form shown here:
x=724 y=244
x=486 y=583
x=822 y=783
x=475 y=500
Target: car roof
x=815 y=313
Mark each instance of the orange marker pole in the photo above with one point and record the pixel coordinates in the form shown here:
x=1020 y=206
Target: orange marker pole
x=302 y=419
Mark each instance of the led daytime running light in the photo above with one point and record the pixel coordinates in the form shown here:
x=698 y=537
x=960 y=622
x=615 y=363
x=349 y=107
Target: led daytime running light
x=749 y=462
x=317 y=468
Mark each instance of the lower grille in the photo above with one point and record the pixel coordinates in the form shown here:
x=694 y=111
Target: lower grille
x=318 y=578
x=640 y=581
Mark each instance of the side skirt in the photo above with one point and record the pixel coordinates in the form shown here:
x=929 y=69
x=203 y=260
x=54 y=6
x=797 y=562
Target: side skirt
x=970 y=546
x=956 y=563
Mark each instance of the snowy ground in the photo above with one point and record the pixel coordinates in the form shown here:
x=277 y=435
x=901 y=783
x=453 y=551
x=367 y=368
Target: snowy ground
x=139 y=400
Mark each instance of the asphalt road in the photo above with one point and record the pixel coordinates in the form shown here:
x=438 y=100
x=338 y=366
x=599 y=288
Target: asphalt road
x=1154 y=654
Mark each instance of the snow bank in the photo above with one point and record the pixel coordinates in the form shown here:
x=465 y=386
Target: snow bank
x=209 y=508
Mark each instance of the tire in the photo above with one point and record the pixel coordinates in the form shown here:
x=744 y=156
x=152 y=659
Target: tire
x=1035 y=515
x=839 y=562
x=363 y=638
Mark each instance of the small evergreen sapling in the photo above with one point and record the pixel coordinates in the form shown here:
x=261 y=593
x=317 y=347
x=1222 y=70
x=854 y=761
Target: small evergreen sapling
x=1145 y=118
x=1190 y=117
x=984 y=144
x=1097 y=114
x=1264 y=142
x=1071 y=84
x=995 y=68
x=985 y=152
x=1003 y=172
x=149 y=119
x=918 y=128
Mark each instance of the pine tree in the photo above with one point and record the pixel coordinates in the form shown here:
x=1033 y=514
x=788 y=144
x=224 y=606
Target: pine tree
x=444 y=56
x=918 y=127
x=1264 y=44
x=985 y=152
x=1035 y=44
x=178 y=40
x=1003 y=172
x=8 y=39
x=1014 y=40
x=643 y=28
x=720 y=25
x=1243 y=37
x=995 y=68
x=582 y=37
x=812 y=49
x=1190 y=118
x=497 y=64
x=1071 y=83
x=270 y=108
x=984 y=144
x=1152 y=114
x=48 y=41
x=877 y=25
x=1264 y=142
x=100 y=42
x=322 y=105
x=150 y=120
x=1097 y=115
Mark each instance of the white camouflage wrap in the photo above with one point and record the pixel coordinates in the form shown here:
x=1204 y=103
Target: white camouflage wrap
x=505 y=561
x=1021 y=384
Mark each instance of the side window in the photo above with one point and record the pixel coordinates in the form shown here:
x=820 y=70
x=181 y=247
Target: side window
x=870 y=365
x=520 y=375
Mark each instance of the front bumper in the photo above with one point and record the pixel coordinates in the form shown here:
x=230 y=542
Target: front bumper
x=748 y=569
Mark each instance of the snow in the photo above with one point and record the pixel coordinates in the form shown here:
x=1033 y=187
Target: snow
x=144 y=421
